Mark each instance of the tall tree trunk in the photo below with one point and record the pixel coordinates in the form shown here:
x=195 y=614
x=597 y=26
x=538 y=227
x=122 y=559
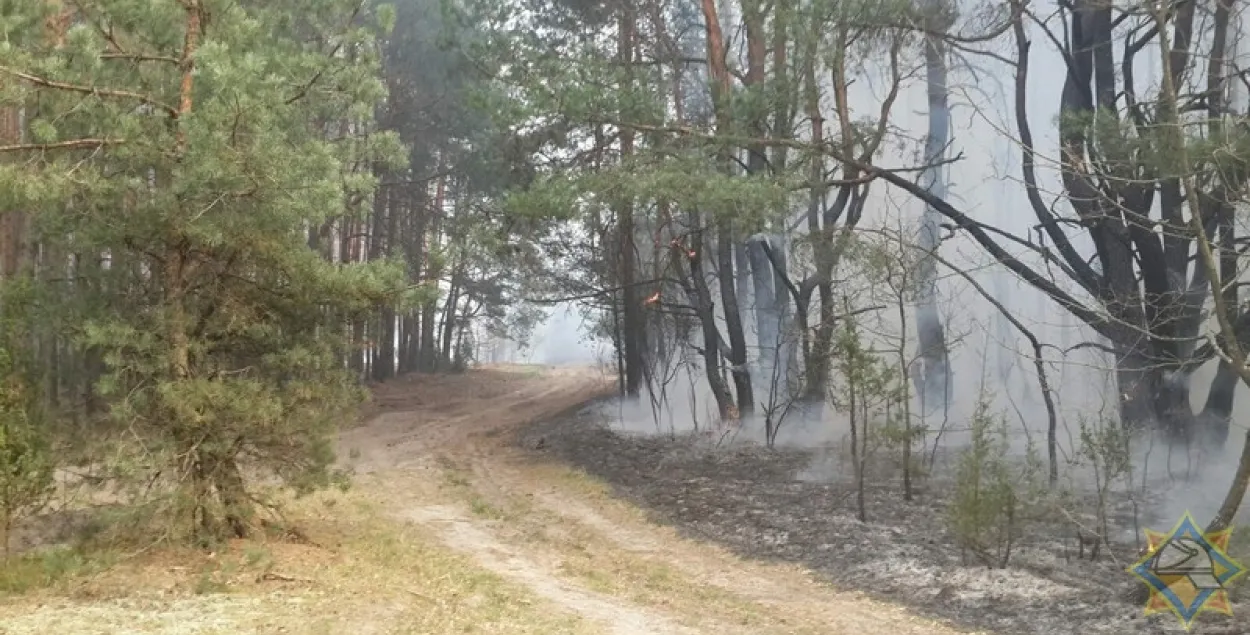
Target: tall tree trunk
x=721 y=95
x=815 y=357
x=404 y=241
x=745 y=301
x=449 y=317
x=633 y=321
x=769 y=298
x=767 y=324
x=706 y=310
x=401 y=346
x=1216 y=416
x=935 y=374
x=419 y=210
x=1228 y=276
x=385 y=368
x=428 y=350
x=733 y=321
x=375 y=250
x=356 y=362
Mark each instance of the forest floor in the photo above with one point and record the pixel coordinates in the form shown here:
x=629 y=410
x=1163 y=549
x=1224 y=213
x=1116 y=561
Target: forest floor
x=799 y=507
x=451 y=525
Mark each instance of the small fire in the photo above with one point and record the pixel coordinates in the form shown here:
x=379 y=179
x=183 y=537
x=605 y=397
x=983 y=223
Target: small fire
x=655 y=298
x=690 y=253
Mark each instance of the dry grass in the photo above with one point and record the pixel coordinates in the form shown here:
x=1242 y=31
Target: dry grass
x=701 y=585
x=370 y=574
x=448 y=530
x=366 y=571
x=601 y=566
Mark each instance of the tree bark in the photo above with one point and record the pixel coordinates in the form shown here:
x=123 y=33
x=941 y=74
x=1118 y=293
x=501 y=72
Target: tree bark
x=733 y=322
x=721 y=95
x=770 y=299
x=428 y=350
x=633 y=322
x=385 y=368
x=935 y=373
x=704 y=307
x=420 y=212
x=449 y=319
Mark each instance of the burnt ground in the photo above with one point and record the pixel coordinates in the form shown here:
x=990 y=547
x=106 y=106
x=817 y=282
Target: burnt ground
x=799 y=506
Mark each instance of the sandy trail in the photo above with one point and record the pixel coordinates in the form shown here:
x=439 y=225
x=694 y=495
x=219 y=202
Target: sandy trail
x=457 y=422
x=431 y=429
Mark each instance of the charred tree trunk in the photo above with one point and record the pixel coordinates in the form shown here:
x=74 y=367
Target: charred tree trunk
x=701 y=298
x=721 y=96
x=733 y=322
x=1216 y=415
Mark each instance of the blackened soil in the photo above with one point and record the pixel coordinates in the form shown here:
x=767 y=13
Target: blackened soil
x=800 y=506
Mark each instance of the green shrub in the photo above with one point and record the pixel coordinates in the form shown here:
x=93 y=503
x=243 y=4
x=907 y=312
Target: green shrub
x=993 y=493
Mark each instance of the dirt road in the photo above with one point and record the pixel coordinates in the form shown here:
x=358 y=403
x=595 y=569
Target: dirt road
x=440 y=449
x=449 y=527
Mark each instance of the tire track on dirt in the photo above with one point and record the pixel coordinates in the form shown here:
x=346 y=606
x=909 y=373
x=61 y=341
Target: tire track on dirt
x=473 y=442
x=786 y=590
x=465 y=535
x=395 y=445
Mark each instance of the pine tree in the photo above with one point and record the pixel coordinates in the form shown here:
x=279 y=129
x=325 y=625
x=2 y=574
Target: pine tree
x=187 y=145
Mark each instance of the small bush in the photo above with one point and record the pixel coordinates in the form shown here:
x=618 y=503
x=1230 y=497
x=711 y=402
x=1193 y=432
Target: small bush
x=993 y=493
x=1105 y=448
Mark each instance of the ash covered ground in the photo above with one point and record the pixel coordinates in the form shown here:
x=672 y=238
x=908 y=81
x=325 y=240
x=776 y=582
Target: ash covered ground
x=798 y=505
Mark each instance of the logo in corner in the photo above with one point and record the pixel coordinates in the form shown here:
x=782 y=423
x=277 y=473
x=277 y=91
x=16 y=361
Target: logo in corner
x=1187 y=571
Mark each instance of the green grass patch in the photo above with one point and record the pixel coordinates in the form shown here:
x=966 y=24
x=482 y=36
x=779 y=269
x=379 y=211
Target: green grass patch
x=48 y=567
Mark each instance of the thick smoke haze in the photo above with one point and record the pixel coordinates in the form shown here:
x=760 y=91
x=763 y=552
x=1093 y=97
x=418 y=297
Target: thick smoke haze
x=991 y=360
x=562 y=340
